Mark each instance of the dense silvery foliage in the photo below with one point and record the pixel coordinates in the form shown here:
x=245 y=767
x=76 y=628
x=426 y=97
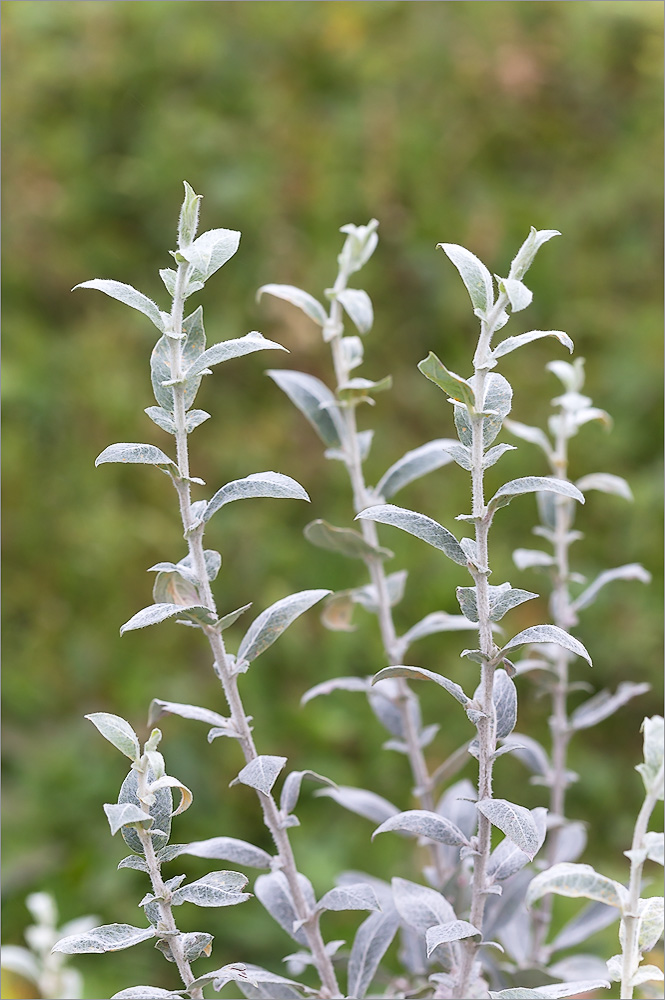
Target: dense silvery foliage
x=479 y=922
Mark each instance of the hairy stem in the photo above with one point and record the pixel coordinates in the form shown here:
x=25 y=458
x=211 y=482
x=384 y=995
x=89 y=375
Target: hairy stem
x=194 y=536
x=406 y=700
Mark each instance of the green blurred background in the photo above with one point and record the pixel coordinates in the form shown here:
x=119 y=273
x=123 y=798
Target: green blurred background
x=463 y=122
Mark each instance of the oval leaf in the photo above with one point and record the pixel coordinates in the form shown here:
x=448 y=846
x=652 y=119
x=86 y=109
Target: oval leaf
x=454 y=930
x=210 y=251
x=423 y=823
x=358 y=306
x=355 y=896
x=108 y=937
x=262 y=772
x=156 y=613
x=118 y=732
x=270 y=624
x=515 y=821
x=420 y=674
x=315 y=401
x=576 y=881
x=512 y=343
x=214 y=889
x=533 y=484
x=549 y=633
x=130 y=296
x=159 y=708
x=358 y=800
x=297 y=297
x=474 y=274
x=259 y=484
x=228 y=349
x=453 y=385
x=370 y=944
x=125 y=813
x=140 y=454
x=227 y=849
x=419 y=525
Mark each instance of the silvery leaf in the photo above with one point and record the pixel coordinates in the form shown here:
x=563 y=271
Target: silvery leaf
x=419 y=906
x=504 y=696
x=652 y=768
x=274 y=894
x=518 y=294
x=118 y=732
x=605 y=482
x=412 y=465
x=654 y=845
x=21 y=961
x=214 y=889
x=270 y=624
x=420 y=525
x=512 y=343
x=358 y=306
x=515 y=821
x=576 y=880
x=632 y=571
x=162 y=418
x=160 y=361
x=358 y=896
x=139 y=454
x=533 y=484
x=460 y=454
x=336 y=684
x=358 y=800
x=156 y=613
x=372 y=940
x=651 y=923
x=291 y=788
x=507 y=858
x=125 y=293
x=492 y=456
x=453 y=930
x=123 y=814
x=436 y=621
x=259 y=484
x=646 y=974
x=210 y=251
x=315 y=401
x=196 y=944
x=474 y=274
x=534 y=435
x=297 y=297
x=527 y=252
x=552 y=992
x=604 y=704
x=418 y=673
x=194 y=419
x=228 y=349
x=161 y=811
x=227 y=849
x=262 y=772
x=147 y=993
x=159 y=708
x=453 y=385
x=108 y=937
x=134 y=861
x=549 y=633
x=528 y=558
x=345 y=541
x=423 y=823
x=530 y=752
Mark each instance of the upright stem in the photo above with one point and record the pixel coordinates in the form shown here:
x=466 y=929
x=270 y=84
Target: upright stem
x=423 y=784
x=223 y=668
x=630 y=920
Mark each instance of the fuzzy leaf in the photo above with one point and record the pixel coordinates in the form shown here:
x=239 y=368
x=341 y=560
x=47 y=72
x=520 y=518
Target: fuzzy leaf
x=358 y=306
x=654 y=844
x=291 y=788
x=632 y=571
x=368 y=804
x=418 y=673
x=515 y=821
x=336 y=684
x=501 y=600
x=259 y=484
x=345 y=541
x=214 y=889
x=518 y=294
x=474 y=274
x=227 y=849
x=419 y=525
x=507 y=858
x=504 y=696
x=161 y=811
x=528 y=558
x=270 y=624
x=533 y=484
x=370 y=944
x=162 y=418
x=527 y=252
x=420 y=906
x=159 y=708
x=552 y=992
x=436 y=621
x=122 y=814
x=140 y=454
x=423 y=823
x=160 y=361
x=512 y=343
x=413 y=465
x=605 y=482
x=453 y=930
x=108 y=937
x=453 y=385
x=652 y=768
x=262 y=772
x=492 y=456
x=118 y=732
x=297 y=297
x=576 y=880
x=228 y=349
x=604 y=704
x=315 y=401
x=210 y=251
x=651 y=923
x=356 y=896
x=125 y=293
x=156 y=613
x=147 y=993
x=549 y=633
x=226 y=620
x=274 y=894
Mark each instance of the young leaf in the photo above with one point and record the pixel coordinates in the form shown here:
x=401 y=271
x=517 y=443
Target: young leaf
x=156 y=613
x=226 y=849
x=527 y=252
x=492 y=456
x=576 y=880
x=232 y=617
x=159 y=708
x=453 y=385
x=357 y=896
x=372 y=940
x=315 y=401
x=358 y=306
x=652 y=768
x=228 y=349
x=166 y=781
x=125 y=293
x=210 y=251
x=343 y=540
x=515 y=821
x=291 y=788
x=270 y=624
x=419 y=525
x=420 y=674
x=189 y=216
x=118 y=732
x=512 y=343
x=453 y=930
x=259 y=484
x=303 y=300
x=419 y=906
x=604 y=704
x=474 y=274
x=427 y=824
x=533 y=484
x=605 y=483
x=108 y=937
x=549 y=633
x=141 y=454
x=262 y=772
x=161 y=811
x=214 y=889
x=518 y=294
x=368 y=804
x=122 y=814
x=632 y=571
x=162 y=418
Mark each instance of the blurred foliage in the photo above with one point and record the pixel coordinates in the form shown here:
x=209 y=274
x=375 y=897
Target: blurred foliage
x=464 y=122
